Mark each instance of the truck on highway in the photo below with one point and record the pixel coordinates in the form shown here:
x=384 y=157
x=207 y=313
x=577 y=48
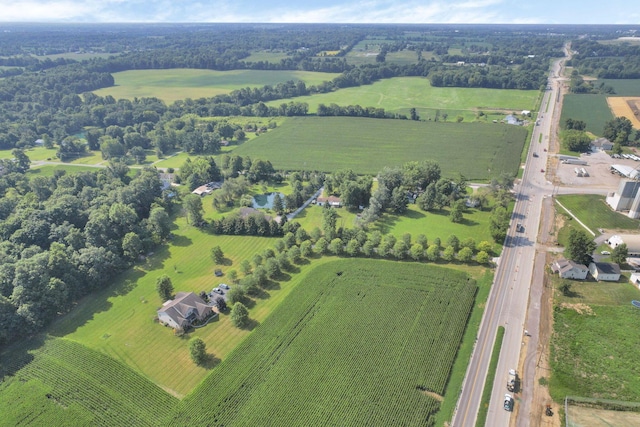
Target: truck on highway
x=511 y=380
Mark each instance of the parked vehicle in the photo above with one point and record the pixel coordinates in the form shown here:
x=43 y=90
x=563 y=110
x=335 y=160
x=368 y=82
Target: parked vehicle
x=508 y=402
x=224 y=286
x=511 y=380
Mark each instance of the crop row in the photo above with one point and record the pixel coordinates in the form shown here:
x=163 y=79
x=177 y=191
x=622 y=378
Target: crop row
x=361 y=347
x=105 y=390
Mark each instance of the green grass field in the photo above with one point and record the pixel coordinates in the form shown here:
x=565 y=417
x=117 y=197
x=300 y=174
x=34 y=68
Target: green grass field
x=595 y=355
x=592 y=109
x=479 y=151
x=623 y=87
x=400 y=94
x=357 y=335
x=592 y=210
x=173 y=84
x=104 y=321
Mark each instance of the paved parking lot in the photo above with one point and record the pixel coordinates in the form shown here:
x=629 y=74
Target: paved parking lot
x=598 y=168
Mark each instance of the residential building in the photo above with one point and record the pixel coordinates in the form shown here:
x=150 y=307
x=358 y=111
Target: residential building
x=568 y=269
x=605 y=271
x=183 y=310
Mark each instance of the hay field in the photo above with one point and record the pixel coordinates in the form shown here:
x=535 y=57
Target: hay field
x=625 y=106
x=582 y=416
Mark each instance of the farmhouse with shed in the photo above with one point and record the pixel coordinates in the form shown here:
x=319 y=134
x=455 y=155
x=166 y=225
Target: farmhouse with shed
x=568 y=269
x=605 y=271
x=184 y=310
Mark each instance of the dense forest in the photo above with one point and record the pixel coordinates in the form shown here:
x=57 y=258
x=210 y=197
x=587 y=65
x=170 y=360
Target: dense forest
x=65 y=236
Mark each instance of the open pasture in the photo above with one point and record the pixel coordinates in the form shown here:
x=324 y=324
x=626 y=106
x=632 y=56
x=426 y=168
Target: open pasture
x=181 y=83
x=358 y=342
x=592 y=109
x=478 y=151
x=400 y=94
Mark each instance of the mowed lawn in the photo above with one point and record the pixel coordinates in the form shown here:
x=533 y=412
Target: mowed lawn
x=120 y=320
x=592 y=210
x=400 y=94
x=592 y=109
x=478 y=151
x=181 y=83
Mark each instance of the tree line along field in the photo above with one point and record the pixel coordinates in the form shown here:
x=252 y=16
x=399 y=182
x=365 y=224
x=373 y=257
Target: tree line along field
x=592 y=109
x=358 y=342
x=400 y=94
x=478 y=151
x=180 y=83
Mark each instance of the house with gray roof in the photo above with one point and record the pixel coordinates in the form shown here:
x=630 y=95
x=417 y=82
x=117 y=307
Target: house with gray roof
x=568 y=269
x=605 y=271
x=185 y=309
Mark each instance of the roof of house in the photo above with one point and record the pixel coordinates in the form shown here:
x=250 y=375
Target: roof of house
x=562 y=265
x=178 y=308
x=330 y=199
x=607 y=267
x=600 y=141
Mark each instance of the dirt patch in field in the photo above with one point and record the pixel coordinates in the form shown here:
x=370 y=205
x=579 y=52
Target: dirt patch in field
x=623 y=106
x=580 y=416
x=436 y=396
x=578 y=308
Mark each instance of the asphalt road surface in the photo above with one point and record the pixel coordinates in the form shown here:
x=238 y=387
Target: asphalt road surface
x=508 y=301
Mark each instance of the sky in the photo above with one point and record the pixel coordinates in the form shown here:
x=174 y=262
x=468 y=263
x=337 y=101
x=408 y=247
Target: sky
x=325 y=11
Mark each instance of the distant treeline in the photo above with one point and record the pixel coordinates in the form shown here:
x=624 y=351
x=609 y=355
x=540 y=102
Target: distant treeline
x=606 y=61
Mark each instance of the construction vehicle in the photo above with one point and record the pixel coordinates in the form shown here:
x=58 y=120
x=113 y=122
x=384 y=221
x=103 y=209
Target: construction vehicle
x=511 y=380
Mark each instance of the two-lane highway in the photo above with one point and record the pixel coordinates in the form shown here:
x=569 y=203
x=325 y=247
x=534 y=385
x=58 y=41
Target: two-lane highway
x=507 y=303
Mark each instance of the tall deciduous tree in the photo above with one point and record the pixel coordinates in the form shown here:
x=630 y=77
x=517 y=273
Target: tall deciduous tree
x=164 y=287
x=580 y=247
x=239 y=315
x=197 y=350
x=620 y=253
x=193 y=208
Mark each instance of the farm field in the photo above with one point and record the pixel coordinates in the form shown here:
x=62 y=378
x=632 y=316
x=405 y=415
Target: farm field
x=477 y=150
x=622 y=87
x=64 y=383
x=625 y=106
x=181 y=83
x=592 y=109
x=400 y=94
x=592 y=210
x=366 y=341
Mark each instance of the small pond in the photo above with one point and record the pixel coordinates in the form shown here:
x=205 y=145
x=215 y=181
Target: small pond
x=265 y=201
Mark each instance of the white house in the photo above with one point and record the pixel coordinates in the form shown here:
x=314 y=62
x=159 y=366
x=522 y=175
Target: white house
x=332 y=201
x=182 y=311
x=605 y=271
x=568 y=269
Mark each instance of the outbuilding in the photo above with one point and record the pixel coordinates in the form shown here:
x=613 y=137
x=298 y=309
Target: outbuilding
x=605 y=271
x=631 y=240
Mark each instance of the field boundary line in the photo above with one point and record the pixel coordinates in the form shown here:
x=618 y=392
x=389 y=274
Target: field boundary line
x=575 y=217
